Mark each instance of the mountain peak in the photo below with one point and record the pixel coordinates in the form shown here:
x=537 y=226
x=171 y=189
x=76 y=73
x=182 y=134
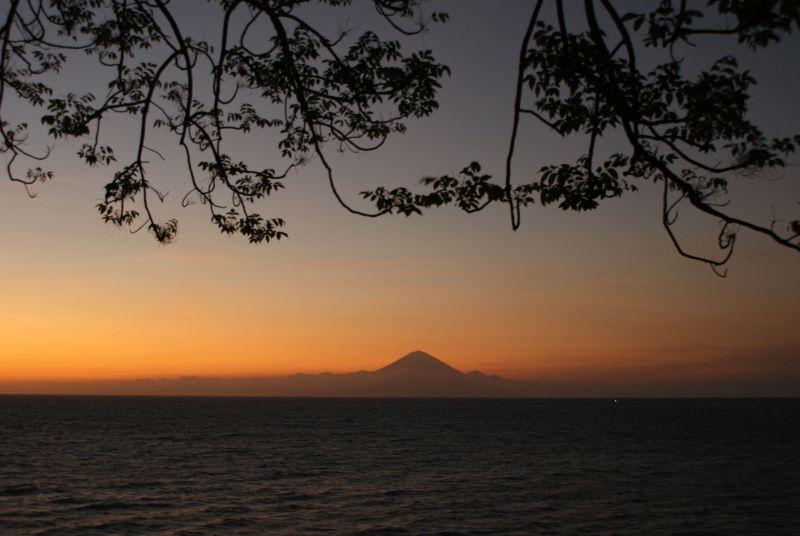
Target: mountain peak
x=419 y=362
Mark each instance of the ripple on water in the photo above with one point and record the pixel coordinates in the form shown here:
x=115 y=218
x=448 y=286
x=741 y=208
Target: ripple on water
x=198 y=466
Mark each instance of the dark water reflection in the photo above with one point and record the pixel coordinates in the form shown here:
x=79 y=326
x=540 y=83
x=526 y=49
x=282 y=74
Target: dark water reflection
x=225 y=466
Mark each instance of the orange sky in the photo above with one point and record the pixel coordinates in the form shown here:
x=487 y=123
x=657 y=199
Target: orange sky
x=85 y=301
x=568 y=294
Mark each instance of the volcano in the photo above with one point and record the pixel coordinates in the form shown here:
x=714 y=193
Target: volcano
x=415 y=375
x=419 y=362
x=419 y=374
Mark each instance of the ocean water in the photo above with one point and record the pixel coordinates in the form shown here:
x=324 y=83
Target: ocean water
x=95 y=465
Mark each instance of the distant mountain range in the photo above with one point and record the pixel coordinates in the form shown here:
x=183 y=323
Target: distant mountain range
x=421 y=375
x=417 y=374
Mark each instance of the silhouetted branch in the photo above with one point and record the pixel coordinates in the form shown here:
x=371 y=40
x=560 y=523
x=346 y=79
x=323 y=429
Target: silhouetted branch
x=578 y=78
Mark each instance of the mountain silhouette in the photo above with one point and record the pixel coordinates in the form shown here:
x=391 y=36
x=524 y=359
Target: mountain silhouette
x=420 y=374
x=415 y=375
x=418 y=362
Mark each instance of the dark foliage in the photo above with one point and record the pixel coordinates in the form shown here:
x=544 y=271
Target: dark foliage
x=163 y=77
x=689 y=133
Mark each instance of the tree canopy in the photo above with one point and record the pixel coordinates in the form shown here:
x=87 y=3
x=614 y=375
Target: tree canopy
x=273 y=70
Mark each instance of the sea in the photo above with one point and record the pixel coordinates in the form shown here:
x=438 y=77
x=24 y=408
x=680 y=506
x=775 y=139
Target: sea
x=128 y=465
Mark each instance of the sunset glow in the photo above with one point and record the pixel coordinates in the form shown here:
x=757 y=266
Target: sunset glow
x=589 y=296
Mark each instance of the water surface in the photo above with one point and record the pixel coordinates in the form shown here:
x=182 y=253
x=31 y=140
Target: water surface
x=83 y=465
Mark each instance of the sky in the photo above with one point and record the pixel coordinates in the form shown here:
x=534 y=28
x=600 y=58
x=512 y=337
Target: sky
x=595 y=296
